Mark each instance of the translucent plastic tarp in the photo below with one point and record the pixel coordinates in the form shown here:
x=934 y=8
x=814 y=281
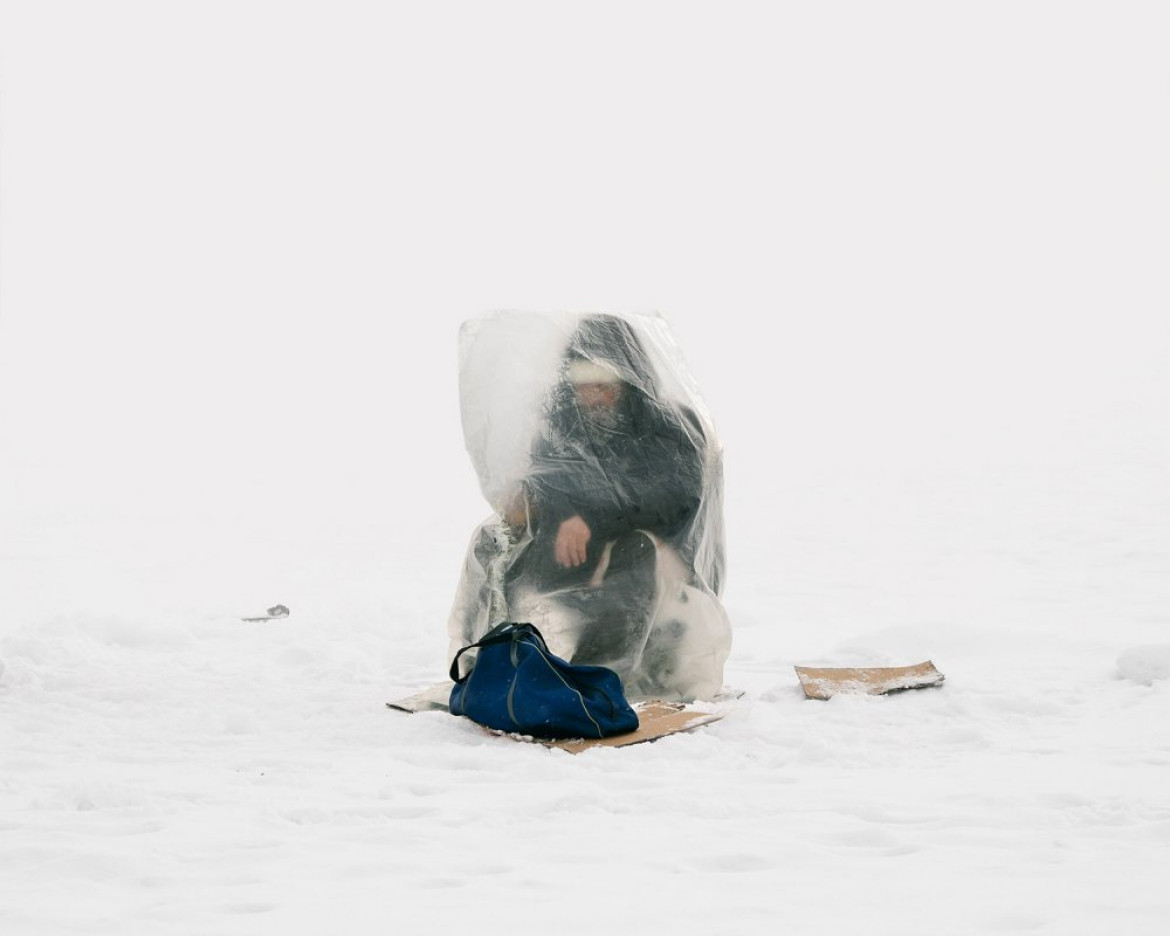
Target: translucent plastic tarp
x=604 y=474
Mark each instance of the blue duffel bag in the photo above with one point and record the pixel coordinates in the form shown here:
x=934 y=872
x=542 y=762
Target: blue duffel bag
x=516 y=684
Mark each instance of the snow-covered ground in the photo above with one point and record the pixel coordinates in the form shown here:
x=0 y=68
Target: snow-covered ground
x=916 y=260
x=168 y=768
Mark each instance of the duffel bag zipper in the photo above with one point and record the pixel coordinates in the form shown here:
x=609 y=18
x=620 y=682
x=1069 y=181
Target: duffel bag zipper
x=514 y=656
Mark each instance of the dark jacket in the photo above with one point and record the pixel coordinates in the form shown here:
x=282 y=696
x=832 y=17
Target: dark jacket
x=640 y=469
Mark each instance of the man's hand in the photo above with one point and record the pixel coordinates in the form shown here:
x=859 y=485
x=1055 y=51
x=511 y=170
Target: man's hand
x=572 y=538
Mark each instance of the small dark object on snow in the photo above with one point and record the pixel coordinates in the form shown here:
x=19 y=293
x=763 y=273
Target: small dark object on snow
x=274 y=613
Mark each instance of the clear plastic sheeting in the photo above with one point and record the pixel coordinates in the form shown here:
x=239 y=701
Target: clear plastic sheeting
x=604 y=474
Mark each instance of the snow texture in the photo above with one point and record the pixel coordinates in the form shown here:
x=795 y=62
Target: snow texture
x=915 y=256
x=1145 y=665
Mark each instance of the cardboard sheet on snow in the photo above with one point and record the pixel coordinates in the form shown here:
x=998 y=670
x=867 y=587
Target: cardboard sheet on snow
x=433 y=699
x=655 y=720
x=826 y=682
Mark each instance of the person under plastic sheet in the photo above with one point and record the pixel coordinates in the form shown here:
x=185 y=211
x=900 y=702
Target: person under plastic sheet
x=611 y=542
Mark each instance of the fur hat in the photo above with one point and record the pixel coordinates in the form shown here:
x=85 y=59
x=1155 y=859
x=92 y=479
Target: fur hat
x=582 y=371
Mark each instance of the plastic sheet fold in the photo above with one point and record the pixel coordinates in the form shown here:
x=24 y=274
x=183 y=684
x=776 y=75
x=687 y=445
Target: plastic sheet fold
x=604 y=474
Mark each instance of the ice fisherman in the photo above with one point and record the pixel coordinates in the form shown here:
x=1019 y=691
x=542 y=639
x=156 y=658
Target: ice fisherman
x=610 y=539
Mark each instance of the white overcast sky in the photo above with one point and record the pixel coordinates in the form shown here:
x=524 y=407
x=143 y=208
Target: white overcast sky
x=890 y=231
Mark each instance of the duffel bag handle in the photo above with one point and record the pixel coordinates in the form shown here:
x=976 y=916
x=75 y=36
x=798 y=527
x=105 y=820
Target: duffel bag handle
x=506 y=631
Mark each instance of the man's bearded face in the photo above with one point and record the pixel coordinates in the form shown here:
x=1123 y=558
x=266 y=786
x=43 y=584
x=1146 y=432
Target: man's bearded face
x=599 y=402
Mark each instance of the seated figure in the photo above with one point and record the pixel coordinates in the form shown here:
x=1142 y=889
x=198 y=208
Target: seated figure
x=608 y=533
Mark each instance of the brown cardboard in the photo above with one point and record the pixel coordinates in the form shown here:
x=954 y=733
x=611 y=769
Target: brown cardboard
x=433 y=699
x=826 y=682
x=655 y=720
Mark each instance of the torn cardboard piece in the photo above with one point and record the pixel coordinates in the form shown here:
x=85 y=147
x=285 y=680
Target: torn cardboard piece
x=656 y=719
x=826 y=682
x=434 y=699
